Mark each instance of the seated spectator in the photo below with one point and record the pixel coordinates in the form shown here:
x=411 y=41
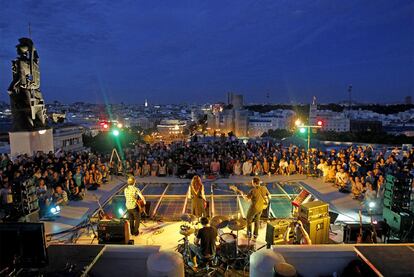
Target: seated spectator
x=370 y=196
x=162 y=169
x=291 y=169
x=237 y=168
x=247 y=168
x=98 y=178
x=146 y=169
x=154 y=168
x=266 y=166
x=215 y=167
x=60 y=197
x=137 y=170
x=274 y=166
x=74 y=191
x=105 y=174
x=357 y=188
x=257 y=169
x=283 y=165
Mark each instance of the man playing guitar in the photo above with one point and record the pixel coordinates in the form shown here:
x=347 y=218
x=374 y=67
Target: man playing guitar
x=134 y=202
x=259 y=198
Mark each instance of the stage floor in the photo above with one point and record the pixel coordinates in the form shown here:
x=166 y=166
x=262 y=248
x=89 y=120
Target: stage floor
x=169 y=201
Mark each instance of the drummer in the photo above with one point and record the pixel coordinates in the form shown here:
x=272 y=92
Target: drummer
x=198 y=197
x=205 y=242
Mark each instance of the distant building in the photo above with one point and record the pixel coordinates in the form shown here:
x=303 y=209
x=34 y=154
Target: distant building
x=236 y=100
x=68 y=137
x=331 y=121
x=171 y=129
x=260 y=123
x=366 y=126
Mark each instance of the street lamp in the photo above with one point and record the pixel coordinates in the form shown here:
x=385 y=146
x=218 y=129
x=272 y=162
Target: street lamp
x=307 y=128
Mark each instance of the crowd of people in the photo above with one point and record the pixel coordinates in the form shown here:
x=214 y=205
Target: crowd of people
x=359 y=170
x=64 y=177
x=57 y=179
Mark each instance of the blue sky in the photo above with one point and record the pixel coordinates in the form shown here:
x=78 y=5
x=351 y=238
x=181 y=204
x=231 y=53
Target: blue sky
x=197 y=51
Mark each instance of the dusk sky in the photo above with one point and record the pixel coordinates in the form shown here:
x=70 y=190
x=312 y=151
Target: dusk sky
x=196 y=51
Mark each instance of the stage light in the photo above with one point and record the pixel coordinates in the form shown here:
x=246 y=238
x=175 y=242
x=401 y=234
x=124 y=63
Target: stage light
x=41 y=132
x=115 y=132
x=121 y=211
x=302 y=130
x=320 y=123
x=105 y=126
x=371 y=205
x=55 y=210
x=119 y=125
x=298 y=122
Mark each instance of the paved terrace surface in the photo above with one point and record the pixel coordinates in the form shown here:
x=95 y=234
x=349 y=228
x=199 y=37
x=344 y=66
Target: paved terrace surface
x=76 y=212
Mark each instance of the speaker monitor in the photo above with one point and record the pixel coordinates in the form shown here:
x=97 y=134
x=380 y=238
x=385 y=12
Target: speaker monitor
x=275 y=231
x=113 y=232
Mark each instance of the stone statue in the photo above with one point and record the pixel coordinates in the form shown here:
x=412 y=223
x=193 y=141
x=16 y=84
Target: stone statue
x=26 y=101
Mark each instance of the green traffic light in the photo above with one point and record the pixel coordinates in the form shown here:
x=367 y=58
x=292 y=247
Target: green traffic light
x=302 y=130
x=115 y=132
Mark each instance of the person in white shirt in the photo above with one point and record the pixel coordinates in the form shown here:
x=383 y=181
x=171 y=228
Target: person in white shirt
x=247 y=167
x=132 y=194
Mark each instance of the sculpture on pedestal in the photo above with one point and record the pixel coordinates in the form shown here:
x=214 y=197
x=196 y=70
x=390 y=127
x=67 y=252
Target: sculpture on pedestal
x=26 y=101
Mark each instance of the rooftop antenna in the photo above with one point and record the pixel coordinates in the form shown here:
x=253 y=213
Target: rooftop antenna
x=30 y=30
x=350 y=98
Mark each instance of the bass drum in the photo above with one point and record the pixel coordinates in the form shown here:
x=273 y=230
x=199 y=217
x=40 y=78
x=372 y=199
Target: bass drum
x=228 y=246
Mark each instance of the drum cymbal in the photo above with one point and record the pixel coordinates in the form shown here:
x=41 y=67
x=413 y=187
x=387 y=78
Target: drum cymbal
x=186 y=231
x=237 y=224
x=190 y=218
x=219 y=221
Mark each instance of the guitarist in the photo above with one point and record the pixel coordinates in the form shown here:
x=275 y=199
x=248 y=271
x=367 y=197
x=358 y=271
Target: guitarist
x=133 y=198
x=259 y=198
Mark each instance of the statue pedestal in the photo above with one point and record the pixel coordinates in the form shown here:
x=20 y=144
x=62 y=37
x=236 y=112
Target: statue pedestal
x=30 y=142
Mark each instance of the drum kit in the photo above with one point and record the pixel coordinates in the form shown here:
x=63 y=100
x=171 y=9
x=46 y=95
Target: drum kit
x=229 y=251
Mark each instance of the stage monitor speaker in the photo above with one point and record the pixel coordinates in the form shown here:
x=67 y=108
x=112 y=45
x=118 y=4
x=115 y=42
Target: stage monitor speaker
x=401 y=220
x=113 y=232
x=351 y=231
x=318 y=229
x=275 y=230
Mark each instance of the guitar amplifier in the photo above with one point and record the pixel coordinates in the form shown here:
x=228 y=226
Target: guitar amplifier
x=313 y=210
x=113 y=231
x=275 y=230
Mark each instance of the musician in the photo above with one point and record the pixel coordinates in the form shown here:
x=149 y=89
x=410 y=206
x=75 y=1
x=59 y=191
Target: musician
x=132 y=194
x=259 y=198
x=198 y=197
x=205 y=241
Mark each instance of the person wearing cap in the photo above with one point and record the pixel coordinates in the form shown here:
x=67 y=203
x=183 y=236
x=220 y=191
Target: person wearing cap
x=132 y=194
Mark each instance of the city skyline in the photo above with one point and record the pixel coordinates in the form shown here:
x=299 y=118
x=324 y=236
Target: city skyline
x=196 y=52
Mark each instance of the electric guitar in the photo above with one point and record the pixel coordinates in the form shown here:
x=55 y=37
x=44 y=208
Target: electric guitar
x=236 y=190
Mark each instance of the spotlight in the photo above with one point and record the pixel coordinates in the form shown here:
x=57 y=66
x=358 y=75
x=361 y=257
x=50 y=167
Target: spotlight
x=53 y=210
x=115 y=133
x=121 y=211
x=371 y=205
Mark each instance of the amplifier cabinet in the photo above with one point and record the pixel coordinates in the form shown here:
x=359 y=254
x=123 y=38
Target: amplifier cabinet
x=318 y=229
x=313 y=210
x=113 y=232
